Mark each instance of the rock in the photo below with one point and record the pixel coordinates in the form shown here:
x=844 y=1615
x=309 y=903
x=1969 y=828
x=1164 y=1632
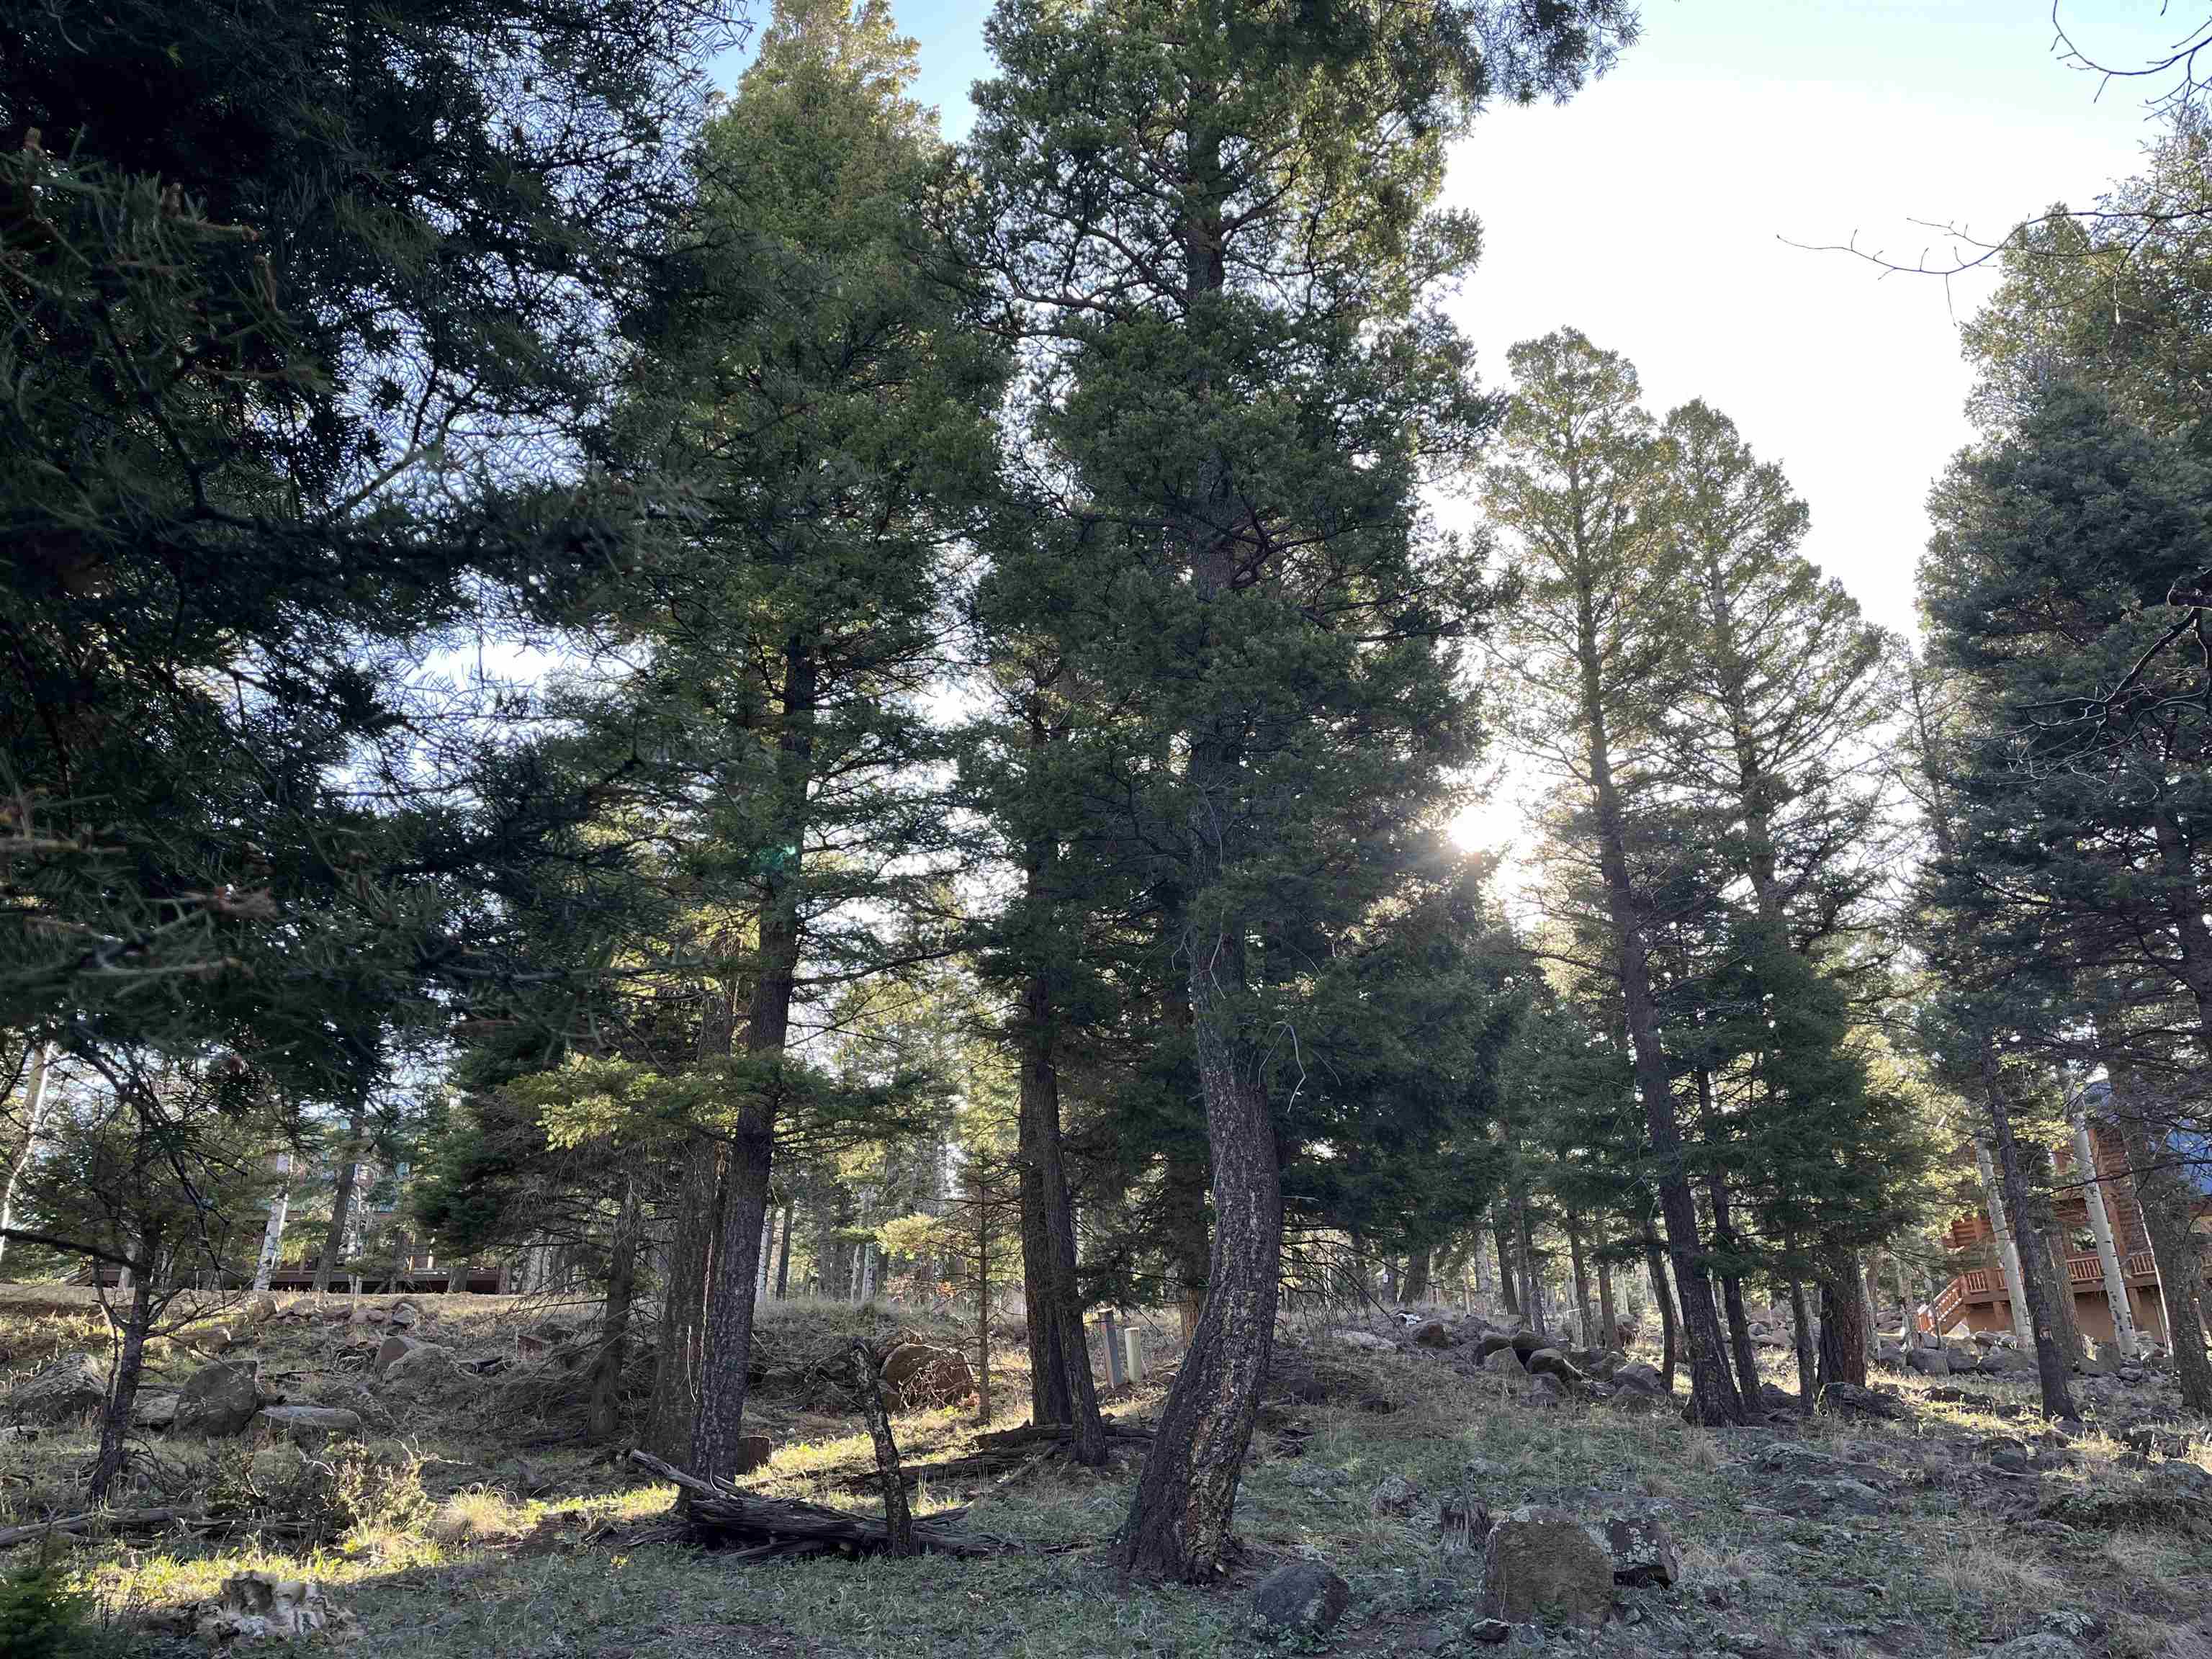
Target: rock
x=68 y=1386
x=260 y=1308
x=309 y=1426
x=1997 y=1361
x=1772 y=1397
x=391 y=1350
x=259 y=1607
x=2148 y=1442
x=219 y=1399
x=753 y=1452
x=17 y=1434
x=405 y=1314
x=417 y=1363
x=218 y=1340
x=1550 y=1362
x=1546 y=1390
x=2011 y=1455
x=1490 y=1630
x=1929 y=1362
x=1358 y=1342
x=2088 y=1368
x=1841 y=1495
x=153 y=1410
x=2043 y=1645
x=1542 y=1565
x=1864 y=1402
x=1302 y=1596
x=1643 y=1549
x=1393 y=1495
x=1495 y=1342
x=1431 y=1333
x=1636 y=1374
x=1526 y=1342
x=919 y=1374
x=2131 y=1375
x=1503 y=1362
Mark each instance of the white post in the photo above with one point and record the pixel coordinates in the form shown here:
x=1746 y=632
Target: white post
x=2101 y=1224
x=1112 y=1348
x=1133 y=1354
x=2007 y=1252
x=768 y=1240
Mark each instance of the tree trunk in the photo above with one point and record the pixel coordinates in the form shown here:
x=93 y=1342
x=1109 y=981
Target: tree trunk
x=1506 y=1288
x=130 y=1362
x=1801 y=1315
x=1532 y=1282
x=2125 y=1338
x=783 y=1252
x=680 y=1364
x=1739 y=1322
x=2008 y=1249
x=1843 y=1320
x=1062 y=1389
x=1655 y=1264
x=898 y=1520
x=1187 y=1244
x=2050 y=1363
x=1608 y=1321
x=2065 y=1329
x=614 y=1328
x=1417 y=1277
x=1582 y=1277
x=342 y=1200
x=35 y=1098
x=2167 y=1205
x=272 y=1239
x=731 y=1287
x=1714 y=1398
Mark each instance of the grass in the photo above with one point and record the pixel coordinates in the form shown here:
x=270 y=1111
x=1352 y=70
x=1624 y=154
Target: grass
x=448 y=1540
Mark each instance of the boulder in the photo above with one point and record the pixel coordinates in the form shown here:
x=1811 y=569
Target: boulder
x=1526 y=1342
x=309 y=1426
x=62 y=1389
x=2043 y=1645
x=1431 y=1333
x=1929 y=1362
x=1889 y=1354
x=405 y=1314
x=1546 y=1390
x=260 y=1308
x=1841 y=1496
x=1494 y=1342
x=1550 y=1362
x=1393 y=1495
x=1302 y=1596
x=1503 y=1362
x=392 y=1349
x=1543 y=1565
x=154 y=1409
x=1643 y=1549
x=417 y=1363
x=916 y=1374
x=219 y=1399
x=1635 y=1374
x=753 y=1452
x=1358 y=1342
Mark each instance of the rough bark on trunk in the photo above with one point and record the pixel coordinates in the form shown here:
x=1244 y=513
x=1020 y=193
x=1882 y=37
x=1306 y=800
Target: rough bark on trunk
x=1188 y=1245
x=272 y=1239
x=342 y=1200
x=1739 y=1322
x=1808 y=1374
x=2065 y=1329
x=1062 y=1389
x=2050 y=1362
x=1655 y=1264
x=614 y=1328
x=1506 y=1288
x=1609 y=1322
x=747 y=1168
x=680 y=1364
x=2167 y=1204
x=1714 y=1397
x=783 y=1252
x=1532 y=1282
x=1417 y=1277
x=898 y=1520
x=129 y=1363
x=1581 y=1278
x=1843 y=1320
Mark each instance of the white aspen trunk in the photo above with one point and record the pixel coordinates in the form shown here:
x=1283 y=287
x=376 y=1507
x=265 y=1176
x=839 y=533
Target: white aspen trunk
x=34 y=1118
x=1904 y=1320
x=768 y=1239
x=2007 y=1252
x=2101 y=1224
x=272 y=1240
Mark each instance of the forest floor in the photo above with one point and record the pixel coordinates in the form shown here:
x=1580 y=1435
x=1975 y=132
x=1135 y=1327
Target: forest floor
x=470 y=1521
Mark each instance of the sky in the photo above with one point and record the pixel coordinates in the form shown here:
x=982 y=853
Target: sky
x=1651 y=212
x=1657 y=210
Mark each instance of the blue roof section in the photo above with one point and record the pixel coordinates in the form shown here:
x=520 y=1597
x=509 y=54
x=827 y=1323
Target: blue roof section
x=2194 y=1148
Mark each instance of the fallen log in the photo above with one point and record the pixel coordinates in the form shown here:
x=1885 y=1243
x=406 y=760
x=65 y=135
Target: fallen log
x=764 y=1527
x=119 y=1520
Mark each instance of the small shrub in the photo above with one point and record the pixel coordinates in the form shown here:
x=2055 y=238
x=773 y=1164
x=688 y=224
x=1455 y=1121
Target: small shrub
x=42 y=1618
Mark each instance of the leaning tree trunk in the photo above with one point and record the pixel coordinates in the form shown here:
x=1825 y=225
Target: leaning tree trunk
x=129 y=1363
x=272 y=1239
x=2065 y=1329
x=783 y=1252
x=1582 y=1277
x=1739 y=1322
x=1506 y=1289
x=2005 y=1246
x=1608 y=1320
x=1808 y=1373
x=342 y=1200
x=1714 y=1398
x=2124 y=1336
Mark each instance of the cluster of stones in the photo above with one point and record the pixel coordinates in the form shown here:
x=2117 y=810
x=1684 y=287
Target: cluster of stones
x=1553 y=1374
